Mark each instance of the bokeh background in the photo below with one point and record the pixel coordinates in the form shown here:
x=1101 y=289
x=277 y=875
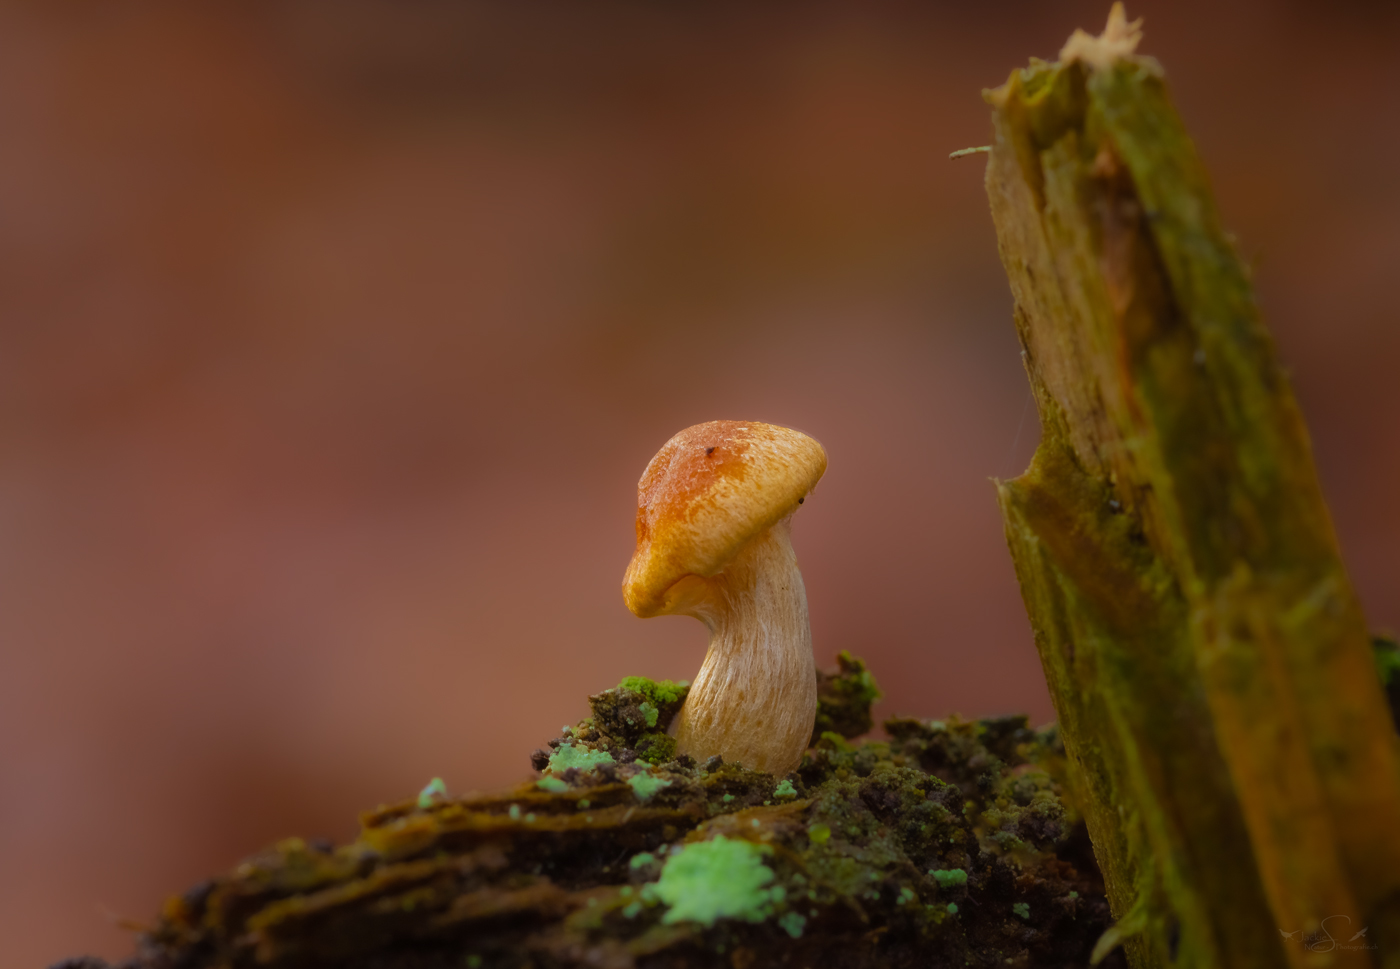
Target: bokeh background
x=334 y=336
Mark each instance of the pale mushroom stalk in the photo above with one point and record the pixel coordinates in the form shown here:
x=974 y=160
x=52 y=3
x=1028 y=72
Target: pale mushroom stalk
x=714 y=512
x=755 y=698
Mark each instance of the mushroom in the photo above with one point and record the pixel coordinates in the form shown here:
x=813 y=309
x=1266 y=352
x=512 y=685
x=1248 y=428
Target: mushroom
x=714 y=513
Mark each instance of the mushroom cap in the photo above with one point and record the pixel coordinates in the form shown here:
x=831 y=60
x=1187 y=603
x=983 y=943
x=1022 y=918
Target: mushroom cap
x=708 y=491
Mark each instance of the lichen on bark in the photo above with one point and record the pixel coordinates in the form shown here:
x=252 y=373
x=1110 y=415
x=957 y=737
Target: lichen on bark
x=1208 y=659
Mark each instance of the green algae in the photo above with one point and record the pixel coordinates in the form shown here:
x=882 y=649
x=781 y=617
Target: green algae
x=717 y=879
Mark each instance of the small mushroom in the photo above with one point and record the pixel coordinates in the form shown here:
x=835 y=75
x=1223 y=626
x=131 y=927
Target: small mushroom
x=714 y=512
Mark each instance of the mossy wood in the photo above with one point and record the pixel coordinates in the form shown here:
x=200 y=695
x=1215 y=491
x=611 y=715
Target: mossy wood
x=1207 y=656
x=947 y=847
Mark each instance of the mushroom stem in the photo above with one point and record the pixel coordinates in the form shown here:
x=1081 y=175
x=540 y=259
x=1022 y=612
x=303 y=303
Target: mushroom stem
x=755 y=698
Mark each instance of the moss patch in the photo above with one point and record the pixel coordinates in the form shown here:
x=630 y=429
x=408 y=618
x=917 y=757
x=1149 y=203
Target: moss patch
x=912 y=851
x=844 y=699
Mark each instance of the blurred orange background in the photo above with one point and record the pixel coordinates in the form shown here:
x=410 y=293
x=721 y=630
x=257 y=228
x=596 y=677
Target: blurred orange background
x=335 y=336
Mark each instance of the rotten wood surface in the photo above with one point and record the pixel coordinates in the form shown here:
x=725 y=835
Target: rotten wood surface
x=1208 y=658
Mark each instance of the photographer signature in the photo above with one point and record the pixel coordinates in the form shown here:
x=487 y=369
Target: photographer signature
x=1323 y=941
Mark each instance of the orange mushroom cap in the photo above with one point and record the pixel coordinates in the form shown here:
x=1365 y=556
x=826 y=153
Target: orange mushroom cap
x=709 y=490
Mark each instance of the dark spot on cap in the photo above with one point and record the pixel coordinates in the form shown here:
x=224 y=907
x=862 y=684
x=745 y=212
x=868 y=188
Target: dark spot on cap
x=801 y=500
x=709 y=450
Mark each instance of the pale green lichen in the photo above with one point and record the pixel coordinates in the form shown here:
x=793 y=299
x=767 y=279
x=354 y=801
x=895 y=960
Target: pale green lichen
x=949 y=877
x=570 y=755
x=514 y=812
x=716 y=879
x=642 y=859
x=1022 y=909
x=646 y=785
x=952 y=908
x=785 y=789
x=552 y=784
x=650 y=712
x=792 y=923
x=435 y=789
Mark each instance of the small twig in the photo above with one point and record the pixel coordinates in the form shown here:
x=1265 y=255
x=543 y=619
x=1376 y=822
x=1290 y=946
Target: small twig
x=964 y=152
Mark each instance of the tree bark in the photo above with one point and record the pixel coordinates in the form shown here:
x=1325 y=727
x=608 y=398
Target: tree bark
x=1207 y=656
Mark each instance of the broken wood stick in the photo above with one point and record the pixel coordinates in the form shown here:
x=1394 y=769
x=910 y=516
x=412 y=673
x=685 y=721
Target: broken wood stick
x=1206 y=653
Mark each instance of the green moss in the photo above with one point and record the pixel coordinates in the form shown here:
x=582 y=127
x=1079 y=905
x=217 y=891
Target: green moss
x=658 y=692
x=1387 y=652
x=844 y=699
x=656 y=748
x=868 y=818
x=569 y=755
x=716 y=879
x=646 y=785
x=831 y=740
x=435 y=789
x=950 y=877
x=1022 y=910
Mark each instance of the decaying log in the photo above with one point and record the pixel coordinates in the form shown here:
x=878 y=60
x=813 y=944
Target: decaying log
x=947 y=846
